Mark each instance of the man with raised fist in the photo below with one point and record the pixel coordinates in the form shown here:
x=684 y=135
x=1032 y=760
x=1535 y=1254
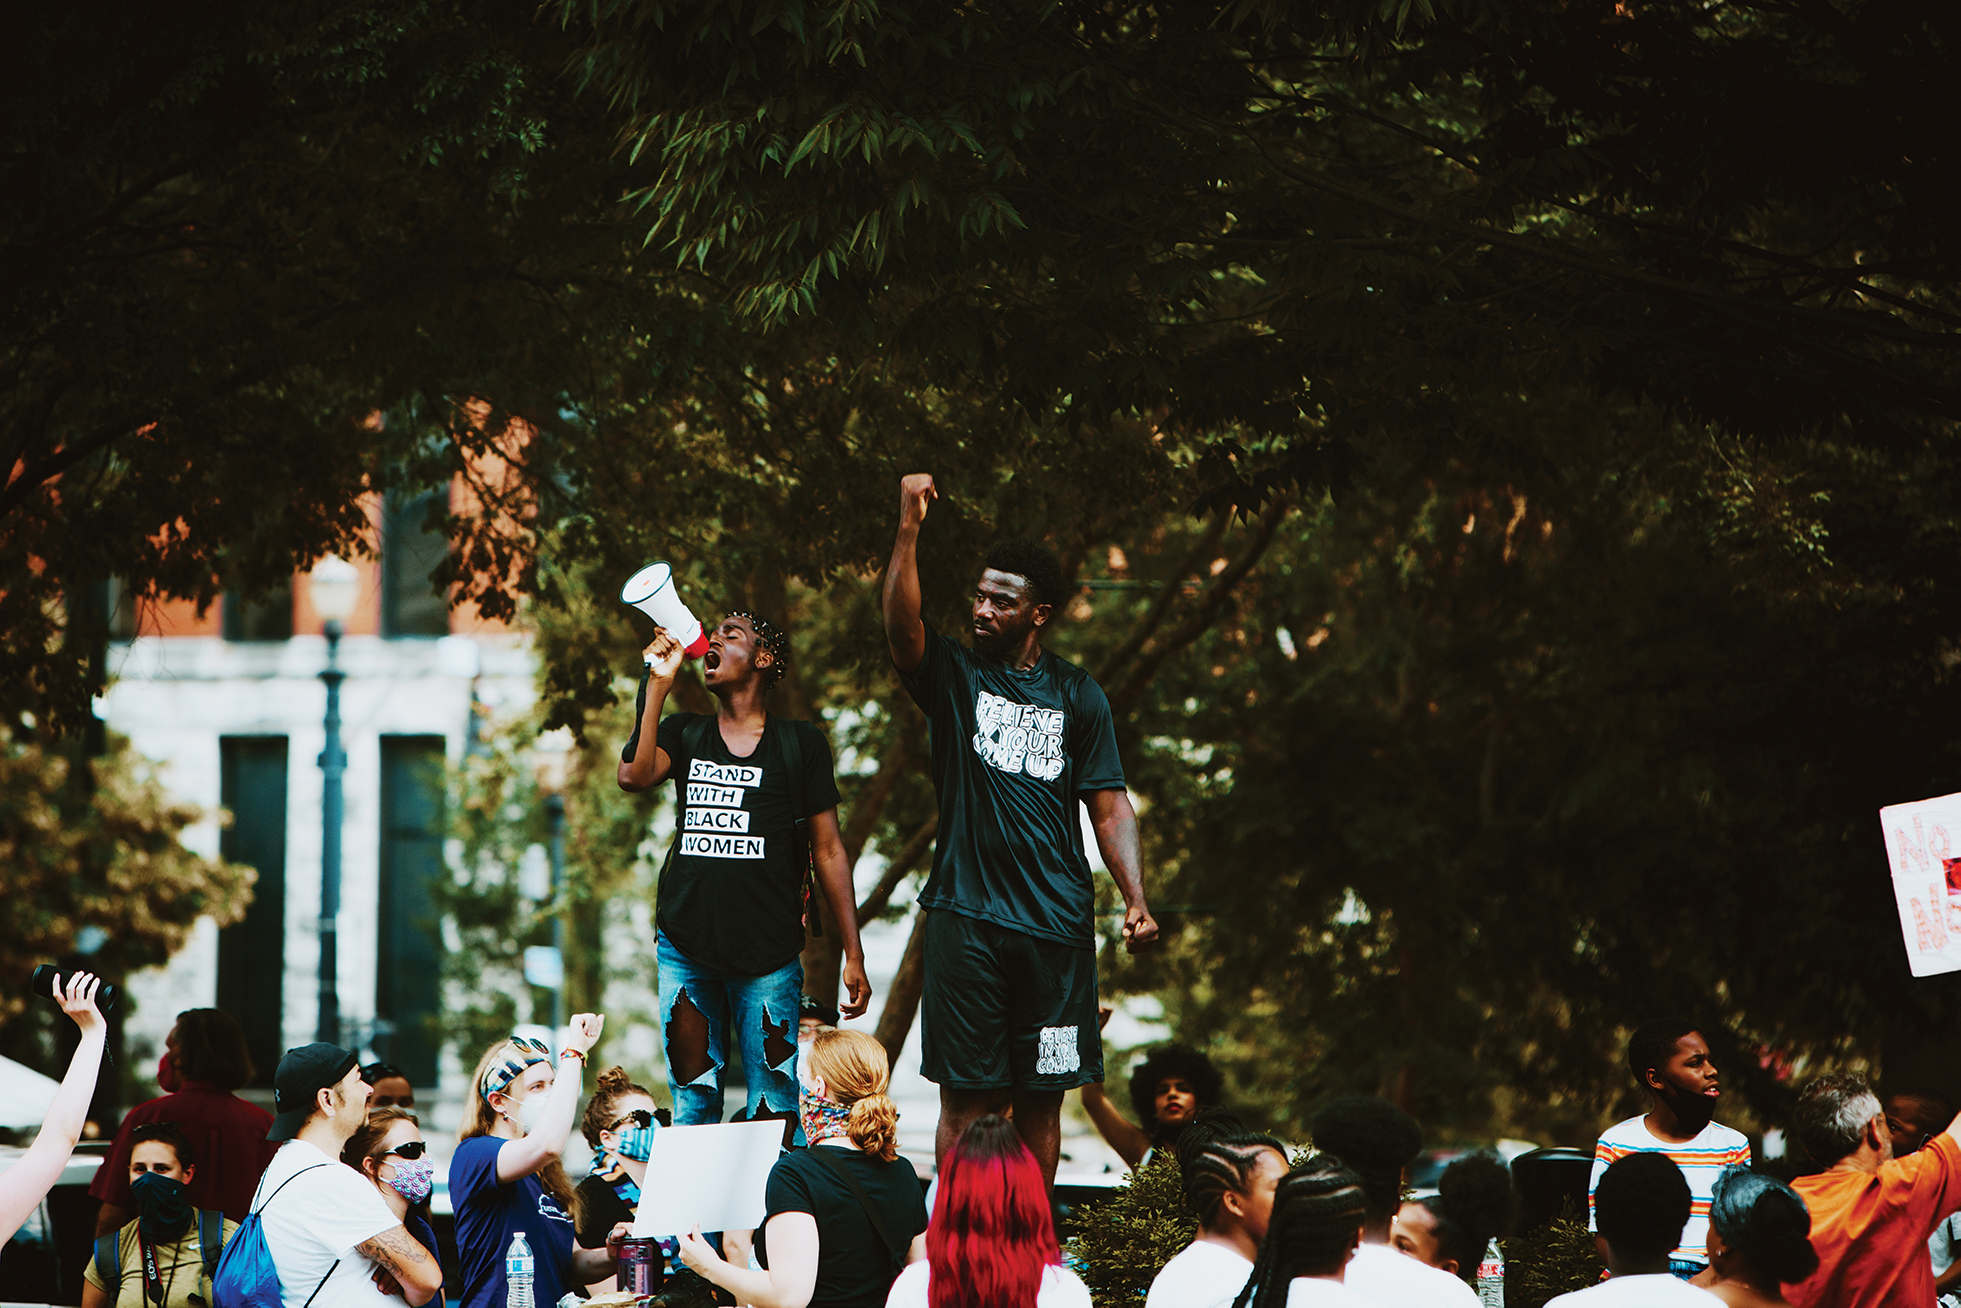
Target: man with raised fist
x=1019 y=739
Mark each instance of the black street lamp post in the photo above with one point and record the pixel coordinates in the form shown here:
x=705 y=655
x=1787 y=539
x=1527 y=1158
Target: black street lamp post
x=335 y=586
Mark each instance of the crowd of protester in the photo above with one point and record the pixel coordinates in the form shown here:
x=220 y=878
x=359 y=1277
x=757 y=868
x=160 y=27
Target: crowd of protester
x=329 y=1194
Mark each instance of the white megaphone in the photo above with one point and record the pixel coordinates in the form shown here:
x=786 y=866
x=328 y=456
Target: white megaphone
x=651 y=590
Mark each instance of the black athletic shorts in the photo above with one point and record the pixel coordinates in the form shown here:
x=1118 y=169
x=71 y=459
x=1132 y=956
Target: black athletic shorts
x=1006 y=1009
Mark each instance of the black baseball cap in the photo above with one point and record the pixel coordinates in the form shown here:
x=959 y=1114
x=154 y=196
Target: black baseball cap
x=811 y=1006
x=303 y=1073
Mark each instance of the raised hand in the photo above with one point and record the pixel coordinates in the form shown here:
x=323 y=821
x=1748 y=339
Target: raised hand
x=916 y=494
x=582 y=1032
x=77 y=999
x=663 y=655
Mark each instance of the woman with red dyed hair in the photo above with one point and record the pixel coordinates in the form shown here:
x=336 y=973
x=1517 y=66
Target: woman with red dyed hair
x=992 y=1241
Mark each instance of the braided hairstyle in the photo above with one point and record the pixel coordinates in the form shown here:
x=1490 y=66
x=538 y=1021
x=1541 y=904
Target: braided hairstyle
x=1317 y=1219
x=1210 y=1166
x=773 y=640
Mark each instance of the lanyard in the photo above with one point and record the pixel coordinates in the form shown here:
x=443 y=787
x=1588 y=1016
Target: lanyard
x=154 y=1288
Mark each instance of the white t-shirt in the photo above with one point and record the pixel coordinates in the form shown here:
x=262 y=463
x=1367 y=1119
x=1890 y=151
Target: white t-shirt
x=1061 y=1288
x=1662 y=1290
x=313 y=1224
x=1384 y=1275
x=1945 y=1245
x=1201 y=1275
x=1317 y=1292
x=1702 y=1160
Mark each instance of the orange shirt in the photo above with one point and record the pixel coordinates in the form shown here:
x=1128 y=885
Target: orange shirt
x=1871 y=1231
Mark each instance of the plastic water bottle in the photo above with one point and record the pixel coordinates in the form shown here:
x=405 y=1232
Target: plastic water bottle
x=519 y=1268
x=1491 y=1277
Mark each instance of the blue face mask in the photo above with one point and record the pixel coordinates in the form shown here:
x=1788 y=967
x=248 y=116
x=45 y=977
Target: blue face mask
x=163 y=1207
x=637 y=1143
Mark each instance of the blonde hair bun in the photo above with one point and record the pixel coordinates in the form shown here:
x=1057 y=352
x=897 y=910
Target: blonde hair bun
x=856 y=1073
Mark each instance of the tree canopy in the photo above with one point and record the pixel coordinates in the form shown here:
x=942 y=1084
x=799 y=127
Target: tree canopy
x=1506 y=445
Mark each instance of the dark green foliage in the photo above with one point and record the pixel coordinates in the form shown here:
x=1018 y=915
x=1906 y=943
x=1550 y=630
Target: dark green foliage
x=1125 y=1240
x=1316 y=224
x=94 y=845
x=1556 y=1259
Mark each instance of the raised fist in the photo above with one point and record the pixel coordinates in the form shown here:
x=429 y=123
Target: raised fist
x=916 y=492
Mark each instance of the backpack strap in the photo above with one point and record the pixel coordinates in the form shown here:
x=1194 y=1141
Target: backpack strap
x=210 y=1246
x=288 y=1181
x=895 y=1250
x=109 y=1261
x=789 y=752
x=695 y=736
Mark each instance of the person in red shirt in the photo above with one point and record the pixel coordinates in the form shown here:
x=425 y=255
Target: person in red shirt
x=1871 y=1213
x=204 y=1061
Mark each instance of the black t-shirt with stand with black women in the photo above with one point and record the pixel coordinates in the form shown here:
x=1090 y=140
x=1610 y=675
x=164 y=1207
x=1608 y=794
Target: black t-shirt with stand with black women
x=731 y=898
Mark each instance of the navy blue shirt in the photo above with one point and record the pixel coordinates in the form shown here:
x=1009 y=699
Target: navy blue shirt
x=1013 y=751
x=488 y=1214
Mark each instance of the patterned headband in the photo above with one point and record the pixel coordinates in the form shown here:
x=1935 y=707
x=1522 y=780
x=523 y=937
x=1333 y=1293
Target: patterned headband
x=524 y=1051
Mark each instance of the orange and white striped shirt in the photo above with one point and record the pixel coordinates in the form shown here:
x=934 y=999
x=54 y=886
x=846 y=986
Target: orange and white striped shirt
x=1701 y=1160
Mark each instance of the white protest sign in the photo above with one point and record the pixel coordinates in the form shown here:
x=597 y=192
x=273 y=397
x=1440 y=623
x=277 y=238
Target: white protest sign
x=1923 y=845
x=708 y=1176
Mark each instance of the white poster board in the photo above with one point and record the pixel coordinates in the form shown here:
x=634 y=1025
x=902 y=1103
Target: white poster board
x=707 y=1176
x=1923 y=846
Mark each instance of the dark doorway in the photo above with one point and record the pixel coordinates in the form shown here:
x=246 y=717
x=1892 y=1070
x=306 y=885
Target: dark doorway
x=408 y=981
x=252 y=953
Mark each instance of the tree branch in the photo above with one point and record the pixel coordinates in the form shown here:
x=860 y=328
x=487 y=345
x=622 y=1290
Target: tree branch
x=1125 y=697
x=898 y=869
x=902 y=996
x=1154 y=616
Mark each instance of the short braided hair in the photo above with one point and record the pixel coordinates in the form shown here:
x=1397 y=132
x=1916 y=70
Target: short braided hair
x=1317 y=1213
x=1211 y=1167
x=773 y=640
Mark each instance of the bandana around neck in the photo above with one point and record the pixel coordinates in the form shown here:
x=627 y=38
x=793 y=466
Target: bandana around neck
x=823 y=1119
x=617 y=1177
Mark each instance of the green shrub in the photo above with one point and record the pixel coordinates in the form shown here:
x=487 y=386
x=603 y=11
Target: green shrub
x=1124 y=1241
x=1552 y=1260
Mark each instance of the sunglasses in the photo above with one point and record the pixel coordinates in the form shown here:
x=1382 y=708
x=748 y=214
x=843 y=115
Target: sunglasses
x=530 y=1046
x=410 y=1150
x=638 y=1117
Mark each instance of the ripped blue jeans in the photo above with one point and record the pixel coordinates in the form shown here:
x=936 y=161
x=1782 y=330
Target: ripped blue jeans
x=698 y=1007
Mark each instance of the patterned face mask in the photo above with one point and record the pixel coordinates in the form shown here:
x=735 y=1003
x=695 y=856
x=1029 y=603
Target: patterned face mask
x=637 y=1143
x=823 y=1119
x=413 y=1179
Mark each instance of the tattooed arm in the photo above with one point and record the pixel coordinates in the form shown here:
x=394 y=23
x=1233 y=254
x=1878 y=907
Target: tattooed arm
x=403 y=1266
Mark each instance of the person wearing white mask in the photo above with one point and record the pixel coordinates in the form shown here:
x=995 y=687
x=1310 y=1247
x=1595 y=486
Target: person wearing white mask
x=389 y=1151
x=506 y=1179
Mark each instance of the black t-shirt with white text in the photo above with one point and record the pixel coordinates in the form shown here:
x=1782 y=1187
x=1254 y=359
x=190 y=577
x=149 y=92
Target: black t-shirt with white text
x=1013 y=751
x=732 y=898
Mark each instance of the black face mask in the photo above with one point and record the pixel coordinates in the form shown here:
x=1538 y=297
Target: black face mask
x=163 y=1207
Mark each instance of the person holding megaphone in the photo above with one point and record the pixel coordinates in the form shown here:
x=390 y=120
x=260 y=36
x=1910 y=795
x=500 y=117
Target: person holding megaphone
x=758 y=810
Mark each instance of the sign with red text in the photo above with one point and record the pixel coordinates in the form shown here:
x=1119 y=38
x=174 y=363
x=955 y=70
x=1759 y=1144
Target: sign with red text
x=1923 y=845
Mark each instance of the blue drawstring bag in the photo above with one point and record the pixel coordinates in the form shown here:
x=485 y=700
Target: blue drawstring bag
x=246 y=1275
